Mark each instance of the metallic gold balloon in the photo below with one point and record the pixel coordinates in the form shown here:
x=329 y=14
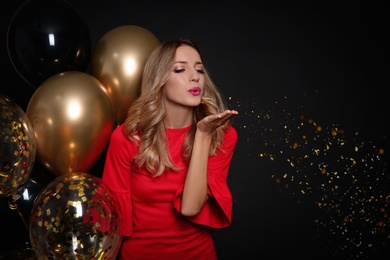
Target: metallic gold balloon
x=17 y=147
x=75 y=217
x=118 y=62
x=72 y=118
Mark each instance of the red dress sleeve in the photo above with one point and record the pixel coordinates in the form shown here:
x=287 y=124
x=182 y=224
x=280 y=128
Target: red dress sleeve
x=217 y=212
x=116 y=175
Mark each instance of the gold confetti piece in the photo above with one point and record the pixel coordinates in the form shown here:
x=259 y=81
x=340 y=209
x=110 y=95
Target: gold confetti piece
x=341 y=171
x=73 y=217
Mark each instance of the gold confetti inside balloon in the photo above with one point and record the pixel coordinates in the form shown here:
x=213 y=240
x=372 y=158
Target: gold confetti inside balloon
x=17 y=147
x=75 y=217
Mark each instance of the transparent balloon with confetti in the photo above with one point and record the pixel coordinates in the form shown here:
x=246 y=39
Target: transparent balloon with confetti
x=75 y=217
x=17 y=148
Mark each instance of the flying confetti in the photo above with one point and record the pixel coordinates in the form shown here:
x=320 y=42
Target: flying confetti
x=338 y=170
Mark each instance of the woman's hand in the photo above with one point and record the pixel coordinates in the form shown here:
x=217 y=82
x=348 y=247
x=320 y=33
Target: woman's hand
x=212 y=122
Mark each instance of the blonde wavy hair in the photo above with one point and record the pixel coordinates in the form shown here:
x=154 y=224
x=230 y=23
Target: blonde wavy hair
x=144 y=124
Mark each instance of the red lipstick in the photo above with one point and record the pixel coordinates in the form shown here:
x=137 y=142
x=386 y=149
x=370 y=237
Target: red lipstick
x=195 y=91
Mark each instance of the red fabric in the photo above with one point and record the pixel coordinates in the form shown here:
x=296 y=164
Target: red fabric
x=150 y=218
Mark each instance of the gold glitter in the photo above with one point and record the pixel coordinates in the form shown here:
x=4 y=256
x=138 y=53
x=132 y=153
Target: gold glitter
x=18 y=153
x=345 y=177
x=76 y=219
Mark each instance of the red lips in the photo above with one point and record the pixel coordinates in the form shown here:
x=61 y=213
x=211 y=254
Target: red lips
x=195 y=91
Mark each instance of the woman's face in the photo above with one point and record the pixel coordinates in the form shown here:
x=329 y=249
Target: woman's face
x=186 y=80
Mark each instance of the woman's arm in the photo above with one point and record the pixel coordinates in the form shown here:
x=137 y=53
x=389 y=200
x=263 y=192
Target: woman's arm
x=195 y=187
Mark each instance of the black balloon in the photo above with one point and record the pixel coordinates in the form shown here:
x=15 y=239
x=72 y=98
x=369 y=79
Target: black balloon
x=39 y=179
x=15 y=213
x=46 y=37
x=20 y=253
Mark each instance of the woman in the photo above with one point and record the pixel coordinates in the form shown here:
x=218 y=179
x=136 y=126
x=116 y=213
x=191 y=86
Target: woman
x=168 y=162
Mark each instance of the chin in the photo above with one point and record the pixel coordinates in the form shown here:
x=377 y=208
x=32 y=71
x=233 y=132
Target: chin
x=195 y=104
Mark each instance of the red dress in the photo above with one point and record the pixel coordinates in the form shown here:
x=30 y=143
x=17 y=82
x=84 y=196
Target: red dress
x=150 y=219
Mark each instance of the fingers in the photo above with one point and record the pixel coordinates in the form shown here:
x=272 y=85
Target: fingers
x=222 y=118
x=227 y=114
x=212 y=122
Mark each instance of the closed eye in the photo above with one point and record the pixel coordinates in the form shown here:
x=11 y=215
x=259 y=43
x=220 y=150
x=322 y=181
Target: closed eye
x=182 y=70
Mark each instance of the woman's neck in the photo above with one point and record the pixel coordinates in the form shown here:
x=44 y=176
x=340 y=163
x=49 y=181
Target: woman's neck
x=178 y=117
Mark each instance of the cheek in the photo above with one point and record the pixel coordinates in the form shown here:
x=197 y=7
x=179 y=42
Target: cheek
x=174 y=81
x=201 y=83
x=170 y=91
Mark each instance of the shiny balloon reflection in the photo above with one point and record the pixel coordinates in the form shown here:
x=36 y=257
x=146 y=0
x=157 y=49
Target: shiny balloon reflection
x=118 y=62
x=17 y=147
x=46 y=37
x=75 y=217
x=72 y=116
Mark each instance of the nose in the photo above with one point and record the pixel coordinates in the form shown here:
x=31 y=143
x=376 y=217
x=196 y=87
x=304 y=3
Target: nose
x=194 y=77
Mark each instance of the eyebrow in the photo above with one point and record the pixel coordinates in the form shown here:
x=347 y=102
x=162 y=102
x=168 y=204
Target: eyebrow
x=186 y=62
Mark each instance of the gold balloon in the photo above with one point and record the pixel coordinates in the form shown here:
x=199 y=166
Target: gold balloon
x=118 y=62
x=72 y=118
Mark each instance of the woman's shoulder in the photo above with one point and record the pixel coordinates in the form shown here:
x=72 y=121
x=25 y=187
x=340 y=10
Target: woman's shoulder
x=231 y=136
x=121 y=142
x=119 y=134
x=231 y=132
x=119 y=131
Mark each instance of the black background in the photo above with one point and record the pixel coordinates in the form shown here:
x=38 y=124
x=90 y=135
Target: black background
x=325 y=61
